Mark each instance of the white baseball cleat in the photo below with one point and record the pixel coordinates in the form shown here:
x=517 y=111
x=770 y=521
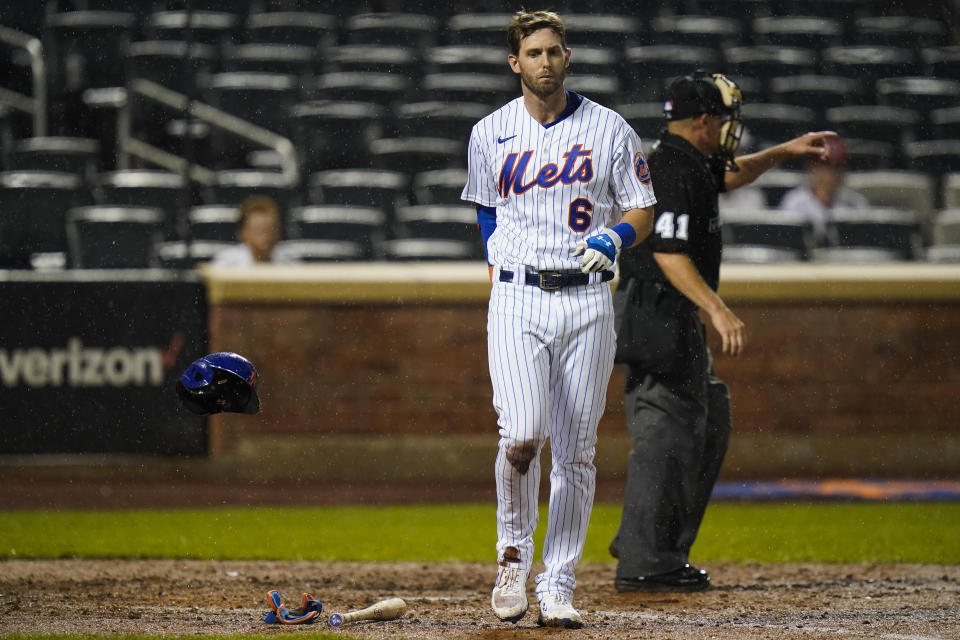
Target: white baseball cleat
x=509 y=599
x=556 y=610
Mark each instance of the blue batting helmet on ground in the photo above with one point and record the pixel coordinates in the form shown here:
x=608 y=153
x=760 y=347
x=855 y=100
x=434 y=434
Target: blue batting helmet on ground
x=222 y=381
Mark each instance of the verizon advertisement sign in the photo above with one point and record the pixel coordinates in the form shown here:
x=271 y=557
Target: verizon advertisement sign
x=90 y=366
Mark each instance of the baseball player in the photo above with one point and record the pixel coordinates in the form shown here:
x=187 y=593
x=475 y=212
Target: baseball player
x=560 y=185
x=678 y=411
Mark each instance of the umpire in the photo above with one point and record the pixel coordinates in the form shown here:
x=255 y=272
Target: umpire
x=678 y=411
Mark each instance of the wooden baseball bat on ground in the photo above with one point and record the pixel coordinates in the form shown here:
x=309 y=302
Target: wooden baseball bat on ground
x=389 y=609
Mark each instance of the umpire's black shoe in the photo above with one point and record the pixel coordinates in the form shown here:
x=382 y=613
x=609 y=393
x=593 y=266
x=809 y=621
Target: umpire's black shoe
x=686 y=578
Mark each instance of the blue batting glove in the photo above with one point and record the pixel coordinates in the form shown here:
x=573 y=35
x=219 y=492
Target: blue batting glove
x=599 y=252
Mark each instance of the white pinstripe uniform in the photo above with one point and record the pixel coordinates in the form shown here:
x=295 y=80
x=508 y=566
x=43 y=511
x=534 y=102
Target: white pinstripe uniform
x=550 y=352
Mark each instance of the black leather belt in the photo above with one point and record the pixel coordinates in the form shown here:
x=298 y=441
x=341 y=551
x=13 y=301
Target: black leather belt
x=552 y=280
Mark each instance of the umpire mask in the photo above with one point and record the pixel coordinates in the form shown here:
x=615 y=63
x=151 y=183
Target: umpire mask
x=713 y=94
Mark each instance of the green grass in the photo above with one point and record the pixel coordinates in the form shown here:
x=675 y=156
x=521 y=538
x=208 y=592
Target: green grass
x=756 y=532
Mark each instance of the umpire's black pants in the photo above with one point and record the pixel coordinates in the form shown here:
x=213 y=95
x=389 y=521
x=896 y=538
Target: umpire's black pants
x=679 y=427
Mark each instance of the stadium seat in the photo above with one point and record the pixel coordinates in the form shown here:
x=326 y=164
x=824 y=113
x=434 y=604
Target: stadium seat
x=908 y=32
x=805 y=32
x=292 y=59
x=322 y=250
x=646 y=118
x=922 y=94
x=874 y=122
x=945 y=227
x=399 y=29
x=750 y=254
x=838 y=9
x=258 y=97
x=768 y=228
x=360 y=187
x=761 y=64
x=593 y=29
x=872 y=155
x=603 y=89
x=945 y=123
x=856 y=255
x=102 y=237
x=934 y=157
x=305 y=28
x=233 y=186
x=489 y=88
x=384 y=89
x=777 y=182
x=951 y=190
x=737 y=8
x=443 y=222
x=886 y=229
x=332 y=134
x=171 y=63
x=414 y=154
x=365 y=226
x=774 y=123
x=907 y=190
x=646 y=70
x=941 y=62
x=451 y=120
x=214 y=222
x=819 y=93
x=139 y=187
x=79 y=156
x=174 y=254
x=869 y=63
x=428 y=249
x=209 y=27
x=713 y=32
x=442 y=186
x=81 y=49
x=594 y=60
x=469 y=58
x=487 y=29
x=33 y=213
x=398 y=60
x=943 y=253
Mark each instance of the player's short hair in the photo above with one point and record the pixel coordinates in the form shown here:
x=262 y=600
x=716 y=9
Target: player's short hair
x=256 y=204
x=526 y=22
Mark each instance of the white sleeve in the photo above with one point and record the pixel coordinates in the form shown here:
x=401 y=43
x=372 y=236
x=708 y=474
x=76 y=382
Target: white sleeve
x=631 y=180
x=480 y=188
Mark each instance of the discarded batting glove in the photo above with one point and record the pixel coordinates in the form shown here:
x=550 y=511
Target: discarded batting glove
x=280 y=614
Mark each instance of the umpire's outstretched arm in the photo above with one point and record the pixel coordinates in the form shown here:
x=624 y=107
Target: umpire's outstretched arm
x=754 y=164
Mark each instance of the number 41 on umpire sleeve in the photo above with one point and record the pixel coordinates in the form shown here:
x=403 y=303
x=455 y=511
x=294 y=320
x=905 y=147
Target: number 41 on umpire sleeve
x=665 y=227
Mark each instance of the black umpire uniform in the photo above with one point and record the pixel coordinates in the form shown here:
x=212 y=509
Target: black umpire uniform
x=678 y=411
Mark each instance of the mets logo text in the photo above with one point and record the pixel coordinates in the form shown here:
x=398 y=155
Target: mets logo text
x=576 y=167
x=641 y=168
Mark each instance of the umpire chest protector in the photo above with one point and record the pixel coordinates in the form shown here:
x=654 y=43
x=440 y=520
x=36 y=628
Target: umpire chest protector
x=686 y=215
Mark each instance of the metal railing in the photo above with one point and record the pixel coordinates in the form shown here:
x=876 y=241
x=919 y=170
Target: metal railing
x=128 y=145
x=35 y=105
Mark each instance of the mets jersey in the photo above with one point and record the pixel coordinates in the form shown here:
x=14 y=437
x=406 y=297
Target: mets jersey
x=554 y=184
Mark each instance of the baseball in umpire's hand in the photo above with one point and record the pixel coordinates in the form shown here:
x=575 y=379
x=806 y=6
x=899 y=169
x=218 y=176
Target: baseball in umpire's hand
x=598 y=252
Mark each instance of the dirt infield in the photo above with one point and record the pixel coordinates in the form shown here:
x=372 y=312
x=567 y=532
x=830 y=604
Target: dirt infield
x=450 y=601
